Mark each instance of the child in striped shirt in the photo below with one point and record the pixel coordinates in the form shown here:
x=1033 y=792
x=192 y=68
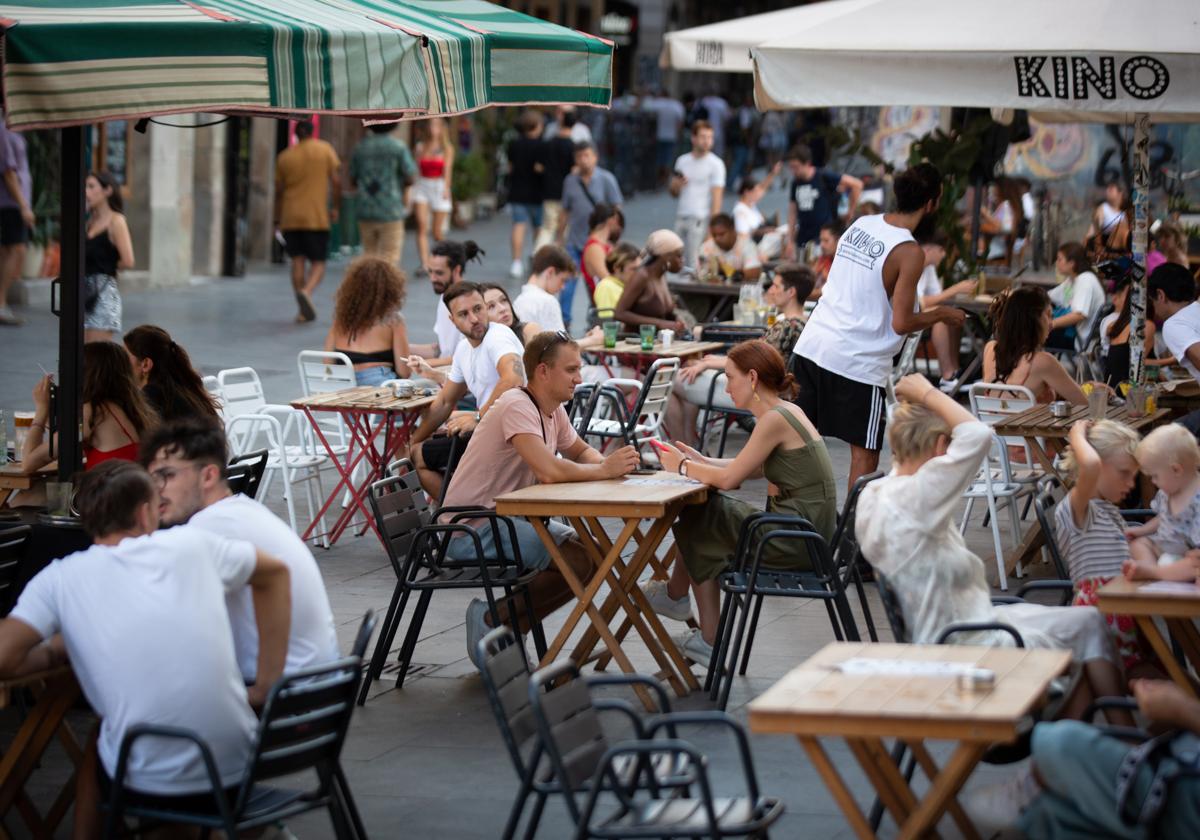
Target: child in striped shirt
x=1089 y=525
x=1168 y=546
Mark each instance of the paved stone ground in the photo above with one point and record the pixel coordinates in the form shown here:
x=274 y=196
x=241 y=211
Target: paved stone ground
x=428 y=761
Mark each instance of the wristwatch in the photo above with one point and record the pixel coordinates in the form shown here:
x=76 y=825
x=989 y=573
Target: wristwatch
x=477 y=417
x=683 y=467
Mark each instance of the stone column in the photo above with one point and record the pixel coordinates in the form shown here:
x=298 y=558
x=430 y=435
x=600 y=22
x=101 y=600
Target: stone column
x=172 y=156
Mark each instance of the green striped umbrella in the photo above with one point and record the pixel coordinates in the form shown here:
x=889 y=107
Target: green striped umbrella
x=78 y=61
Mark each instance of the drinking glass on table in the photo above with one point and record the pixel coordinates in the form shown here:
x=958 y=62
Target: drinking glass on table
x=647 y=332
x=611 y=328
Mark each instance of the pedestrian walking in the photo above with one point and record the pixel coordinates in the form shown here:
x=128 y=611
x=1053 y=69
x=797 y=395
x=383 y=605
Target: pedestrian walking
x=525 y=185
x=558 y=158
x=699 y=184
x=381 y=170
x=843 y=358
x=16 y=214
x=308 y=198
x=668 y=125
x=583 y=189
x=108 y=248
x=814 y=199
x=431 y=193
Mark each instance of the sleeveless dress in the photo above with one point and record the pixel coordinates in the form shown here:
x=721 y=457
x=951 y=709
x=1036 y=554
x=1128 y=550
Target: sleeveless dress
x=707 y=534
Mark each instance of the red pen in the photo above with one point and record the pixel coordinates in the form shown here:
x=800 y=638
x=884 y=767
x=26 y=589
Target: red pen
x=659 y=445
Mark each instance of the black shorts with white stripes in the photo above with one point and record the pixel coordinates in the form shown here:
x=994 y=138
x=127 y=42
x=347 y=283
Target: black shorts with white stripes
x=839 y=407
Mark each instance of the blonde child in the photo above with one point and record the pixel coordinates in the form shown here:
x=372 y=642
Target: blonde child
x=1165 y=548
x=1090 y=528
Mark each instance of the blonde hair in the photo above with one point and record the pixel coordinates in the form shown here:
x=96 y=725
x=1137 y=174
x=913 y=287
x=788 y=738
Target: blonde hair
x=913 y=431
x=1170 y=444
x=1109 y=439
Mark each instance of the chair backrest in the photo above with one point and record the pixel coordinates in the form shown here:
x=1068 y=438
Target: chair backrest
x=892 y=609
x=304 y=724
x=729 y=335
x=577 y=408
x=241 y=390
x=1042 y=506
x=400 y=507
x=12 y=553
x=907 y=359
x=993 y=402
x=505 y=673
x=213 y=388
x=569 y=726
x=655 y=393
x=363 y=637
x=322 y=371
x=845 y=543
x=245 y=472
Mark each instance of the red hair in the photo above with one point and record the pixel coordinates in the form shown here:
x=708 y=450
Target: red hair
x=762 y=358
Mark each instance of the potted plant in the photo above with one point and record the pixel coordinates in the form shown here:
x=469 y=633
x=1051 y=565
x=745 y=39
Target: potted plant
x=467 y=183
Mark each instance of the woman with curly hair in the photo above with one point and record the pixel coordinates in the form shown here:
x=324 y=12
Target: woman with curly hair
x=115 y=414
x=367 y=324
x=1021 y=321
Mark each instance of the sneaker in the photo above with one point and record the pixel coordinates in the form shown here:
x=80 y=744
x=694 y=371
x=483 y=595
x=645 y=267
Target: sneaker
x=308 y=312
x=995 y=809
x=7 y=318
x=696 y=649
x=946 y=385
x=663 y=604
x=516 y=269
x=477 y=628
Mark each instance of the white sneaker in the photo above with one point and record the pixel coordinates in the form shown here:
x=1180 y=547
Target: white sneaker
x=948 y=385
x=995 y=809
x=696 y=649
x=7 y=318
x=663 y=604
x=517 y=269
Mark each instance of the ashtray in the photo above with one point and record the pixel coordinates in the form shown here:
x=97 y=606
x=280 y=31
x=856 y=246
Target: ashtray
x=1060 y=408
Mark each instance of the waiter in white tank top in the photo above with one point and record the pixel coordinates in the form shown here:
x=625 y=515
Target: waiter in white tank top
x=869 y=303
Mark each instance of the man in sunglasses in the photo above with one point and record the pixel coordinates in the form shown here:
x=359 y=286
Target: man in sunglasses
x=517 y=444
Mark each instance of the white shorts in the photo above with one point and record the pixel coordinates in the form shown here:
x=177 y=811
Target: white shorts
x=431 y=191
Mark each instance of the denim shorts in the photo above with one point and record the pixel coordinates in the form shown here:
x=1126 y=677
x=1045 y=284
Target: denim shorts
x=374 y=375
x=529 y=214
x=533 y=552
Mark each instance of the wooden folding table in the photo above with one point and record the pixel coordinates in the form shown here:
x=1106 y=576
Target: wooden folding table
x=375 y=442
x=893 y=699
x=657 y=498
x=55 y=692
x=1177 y=604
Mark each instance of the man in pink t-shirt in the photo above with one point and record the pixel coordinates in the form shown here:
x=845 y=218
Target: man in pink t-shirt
x=517 y=444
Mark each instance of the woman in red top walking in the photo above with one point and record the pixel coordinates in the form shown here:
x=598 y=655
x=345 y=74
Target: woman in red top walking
x=115 y=414
x=605 y=226
x=431 y=192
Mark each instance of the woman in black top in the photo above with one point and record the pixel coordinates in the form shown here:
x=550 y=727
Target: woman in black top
x=108 y=248
x=164 y=371
x=367 y=324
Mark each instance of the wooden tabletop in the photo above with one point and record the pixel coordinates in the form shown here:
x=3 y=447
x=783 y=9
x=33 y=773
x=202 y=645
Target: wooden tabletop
x=695 y=287
x=8 y=685
x=678 y=349
x=1146 y=597
x=632 y=497
x=13 y=478
x=362 y=398
x=1039 y=422
x=975 y=304
x=816 y=698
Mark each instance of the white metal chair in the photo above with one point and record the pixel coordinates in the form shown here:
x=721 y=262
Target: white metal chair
x=906 y=363
x=992 y=403
x=252 y=423
x=644 y=421
x=323 y=372
x=996 y=485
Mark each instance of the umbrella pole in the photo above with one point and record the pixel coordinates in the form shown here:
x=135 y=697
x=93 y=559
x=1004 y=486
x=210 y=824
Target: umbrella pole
x=1141 y=207
x=70 y=305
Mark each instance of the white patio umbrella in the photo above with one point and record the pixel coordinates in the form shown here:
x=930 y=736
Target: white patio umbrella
x=1071 y=60
x=724 y=47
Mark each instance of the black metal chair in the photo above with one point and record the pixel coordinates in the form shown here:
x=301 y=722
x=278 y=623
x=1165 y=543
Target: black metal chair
x=749 y=581
x=12 y=554
x=245 y=472
x=506 y=675
x=416 y=546
x=302 y=728
x=728 y=335
x=584 y=763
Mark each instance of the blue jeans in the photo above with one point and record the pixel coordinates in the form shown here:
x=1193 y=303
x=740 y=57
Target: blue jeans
x=527 y=214
x=533 y=551
x=374 y=375
x=567 y=295
x=1078 y=764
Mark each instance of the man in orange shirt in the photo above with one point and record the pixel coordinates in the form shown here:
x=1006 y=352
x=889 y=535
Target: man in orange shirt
x=306 y=177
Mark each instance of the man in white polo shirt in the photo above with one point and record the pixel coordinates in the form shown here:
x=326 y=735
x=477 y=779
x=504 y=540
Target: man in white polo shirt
x=187 y=459
x=486 y=364
x=699 y=183
x=843 y=358
x=538 y=301
x=142 y=617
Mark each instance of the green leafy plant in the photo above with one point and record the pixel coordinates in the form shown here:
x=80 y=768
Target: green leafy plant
x=45 y=168
x=470 y=177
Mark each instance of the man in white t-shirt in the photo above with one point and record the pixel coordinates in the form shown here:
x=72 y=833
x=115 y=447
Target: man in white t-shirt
x=843 y=358
x=187 y=458
x=1076 y=300
x=727 y=253
x=486 y=364
x=699 y=184
x=946 y=338
x=538 y=301
x=141 y=616
x=447 y=263
x=1172 y=302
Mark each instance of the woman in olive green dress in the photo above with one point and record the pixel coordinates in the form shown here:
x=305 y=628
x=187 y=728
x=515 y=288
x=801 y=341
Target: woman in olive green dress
x=784 y=448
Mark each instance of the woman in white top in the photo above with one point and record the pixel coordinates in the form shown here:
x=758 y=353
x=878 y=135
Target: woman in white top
x=1077 y=299
x=1111 y=222
x=907 y=527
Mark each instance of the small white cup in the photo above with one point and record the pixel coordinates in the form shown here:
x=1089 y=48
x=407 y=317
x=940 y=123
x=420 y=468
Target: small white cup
x=667 y=337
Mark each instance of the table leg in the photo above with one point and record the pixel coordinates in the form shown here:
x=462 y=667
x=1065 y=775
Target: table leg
x=942 y=789
x=884 y=776
x=35 y=734
x=1149 y=629
x=660 y=572
x=1184 y=631
x=930 y=769
x=1026 y=553
x=837 y=787
x=345 y=470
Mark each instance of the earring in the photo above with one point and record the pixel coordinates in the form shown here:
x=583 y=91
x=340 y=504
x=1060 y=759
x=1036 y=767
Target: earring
x=756 y=398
